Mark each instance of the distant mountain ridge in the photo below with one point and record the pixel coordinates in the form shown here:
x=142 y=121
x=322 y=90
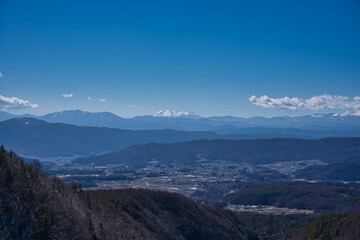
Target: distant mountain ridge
x=81 y=118
x=35 y=138
x=38 y=138
x=190 y=122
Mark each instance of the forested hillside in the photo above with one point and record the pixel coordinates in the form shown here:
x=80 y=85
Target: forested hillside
x=33 y=206
x=348 y=171
x=332 y=227
x=251 y=151
x=320 y=197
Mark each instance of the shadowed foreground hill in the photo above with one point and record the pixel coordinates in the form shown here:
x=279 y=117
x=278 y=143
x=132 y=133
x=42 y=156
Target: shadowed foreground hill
x=332 y=227
x=33 y=206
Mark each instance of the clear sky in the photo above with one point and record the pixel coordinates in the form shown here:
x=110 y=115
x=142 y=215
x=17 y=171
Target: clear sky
x=208 y=57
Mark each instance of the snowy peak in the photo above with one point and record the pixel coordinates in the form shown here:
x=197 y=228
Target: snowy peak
x=168 y=113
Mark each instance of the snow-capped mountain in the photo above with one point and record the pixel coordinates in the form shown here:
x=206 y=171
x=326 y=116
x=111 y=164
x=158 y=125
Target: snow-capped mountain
x=187 y=121
x=169 y=113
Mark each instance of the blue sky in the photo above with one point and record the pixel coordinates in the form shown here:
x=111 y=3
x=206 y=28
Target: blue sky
x=207 y=57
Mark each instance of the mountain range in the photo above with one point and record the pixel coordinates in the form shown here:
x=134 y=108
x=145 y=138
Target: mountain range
x=190 y=122
x=36 y=138
x=74 y=133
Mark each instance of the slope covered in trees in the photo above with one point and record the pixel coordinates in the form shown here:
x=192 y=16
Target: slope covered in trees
x=320 y=197
x=346 y=171
x=33 y=206
x=252 y=151
x=331 y=227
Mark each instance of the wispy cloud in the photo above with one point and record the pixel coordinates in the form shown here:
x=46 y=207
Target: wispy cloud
x=1 y=75
x=317 y=103
x=132 y=106
x=68 y=95
x=96 y=99
x=13 y=103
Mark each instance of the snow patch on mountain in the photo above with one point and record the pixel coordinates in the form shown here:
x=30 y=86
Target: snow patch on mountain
x=169 y=113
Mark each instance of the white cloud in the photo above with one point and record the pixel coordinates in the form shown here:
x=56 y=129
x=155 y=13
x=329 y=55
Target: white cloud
x=68 y=95
x=12 y=103
x=328 y=102
x=1 y=75
x=317 y=103
x=132 y=106
x=96 y=99
x=347 y=113
x=278 y=103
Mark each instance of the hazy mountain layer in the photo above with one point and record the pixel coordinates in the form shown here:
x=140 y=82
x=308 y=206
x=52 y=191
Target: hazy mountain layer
x=31 y=137
x=190 y=122
x=39 y=139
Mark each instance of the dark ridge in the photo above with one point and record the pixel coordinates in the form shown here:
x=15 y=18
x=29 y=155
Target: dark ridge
x=334 y=227
x=259 y=151
x=319 y=197
x=345 y=171
x=33 y=206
